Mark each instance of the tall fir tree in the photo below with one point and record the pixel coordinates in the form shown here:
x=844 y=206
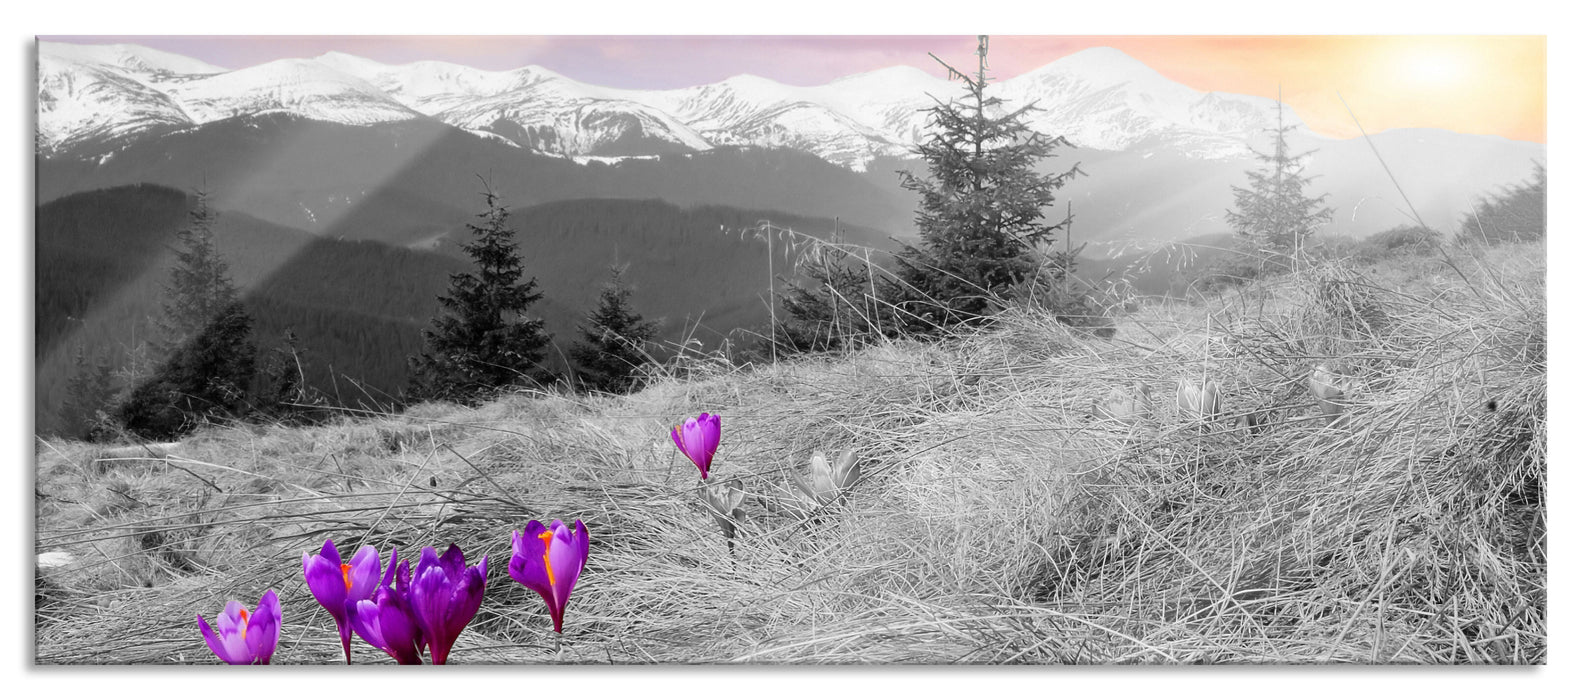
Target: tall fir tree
x=981 y=214
x=1273 y=214
x=200 y=286
x=614 y=340
x=483 y=340
x=206 y=345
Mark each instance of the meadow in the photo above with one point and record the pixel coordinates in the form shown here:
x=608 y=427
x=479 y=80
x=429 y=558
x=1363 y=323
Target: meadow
x=996 y=519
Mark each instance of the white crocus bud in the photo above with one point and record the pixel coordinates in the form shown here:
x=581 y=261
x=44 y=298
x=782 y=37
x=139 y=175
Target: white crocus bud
x=1331 y=390
x=724 y=499
x=1198 y=401
x=824 y=483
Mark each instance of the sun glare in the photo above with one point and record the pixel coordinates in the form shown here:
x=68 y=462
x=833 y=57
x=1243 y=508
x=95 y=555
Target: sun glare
x=1432 y=66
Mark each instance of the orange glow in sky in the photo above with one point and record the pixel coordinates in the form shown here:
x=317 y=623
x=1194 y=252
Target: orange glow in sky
x=1470 y=84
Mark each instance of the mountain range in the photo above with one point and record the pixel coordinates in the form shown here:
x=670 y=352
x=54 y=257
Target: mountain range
x=1099 y=98
x=345 y=184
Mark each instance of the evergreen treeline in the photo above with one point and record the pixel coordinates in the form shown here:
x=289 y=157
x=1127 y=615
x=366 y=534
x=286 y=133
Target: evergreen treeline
x=103 y=259
x=1515 y=213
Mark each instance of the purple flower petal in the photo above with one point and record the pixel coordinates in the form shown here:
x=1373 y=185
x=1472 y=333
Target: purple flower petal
x=216 y=642
x=231 y=619
x=366 y=623
x=263 y=628
x=527 y=560
x=326 y=581
x=363 y=574
x=548 y=562
x=442 y=604
x=699 y=438
x=239 y=638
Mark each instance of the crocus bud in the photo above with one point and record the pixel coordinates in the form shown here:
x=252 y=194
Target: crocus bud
x=1331 y=390
x=724 y=500
x=824 y=483
x=698 y=439
x=548 y=560
x=1198 y=401
x=338 y=587
x=444 y=597
x=242 y=638
x=1125 y=405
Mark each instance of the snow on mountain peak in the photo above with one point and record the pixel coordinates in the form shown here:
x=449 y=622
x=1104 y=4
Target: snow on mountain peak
x=1098 y=97
x=298 y=85
x=139 y=59
x=1101 y=65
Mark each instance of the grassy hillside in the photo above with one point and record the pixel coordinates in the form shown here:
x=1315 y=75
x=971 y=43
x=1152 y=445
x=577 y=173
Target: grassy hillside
x=995 y=520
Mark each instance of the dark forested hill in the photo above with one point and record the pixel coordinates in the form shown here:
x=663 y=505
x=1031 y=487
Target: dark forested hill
x=103 y=258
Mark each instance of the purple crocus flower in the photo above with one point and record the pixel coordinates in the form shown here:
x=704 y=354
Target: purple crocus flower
x=444 y=596
x=244 y=639
x=339 y=586
x=698 y=438
x=548 y=561
x=386 y=620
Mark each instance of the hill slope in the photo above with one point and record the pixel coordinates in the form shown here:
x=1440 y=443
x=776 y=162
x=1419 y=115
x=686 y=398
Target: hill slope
x=995 y=520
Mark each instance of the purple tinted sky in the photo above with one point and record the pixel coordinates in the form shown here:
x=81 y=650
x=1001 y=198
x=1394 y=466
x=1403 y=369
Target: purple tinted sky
x=645 y=62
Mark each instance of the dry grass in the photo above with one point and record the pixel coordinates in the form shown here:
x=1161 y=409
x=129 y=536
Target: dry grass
x=995 y=521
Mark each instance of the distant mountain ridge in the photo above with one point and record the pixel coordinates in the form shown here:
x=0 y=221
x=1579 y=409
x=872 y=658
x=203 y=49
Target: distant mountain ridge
x=1099 y=98
x=346 y=146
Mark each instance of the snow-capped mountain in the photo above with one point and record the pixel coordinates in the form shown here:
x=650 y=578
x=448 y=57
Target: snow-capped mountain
x=128 y=57
x=1102 y=98
x=103 y=94
x=302 y=87
x=1098 y=98
x=84 y=101
x=548 y=112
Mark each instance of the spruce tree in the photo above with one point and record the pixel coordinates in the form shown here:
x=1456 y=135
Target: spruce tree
x=483 y=339
x=981 y=215
x=613 y=338
x=200 y=287
x=206 y=342
x=205 y=379
x=1273 y=214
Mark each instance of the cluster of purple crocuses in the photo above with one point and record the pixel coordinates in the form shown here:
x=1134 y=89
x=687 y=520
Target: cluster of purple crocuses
x=408 y=609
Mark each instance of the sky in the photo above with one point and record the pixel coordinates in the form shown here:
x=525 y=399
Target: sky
x=1470 y=84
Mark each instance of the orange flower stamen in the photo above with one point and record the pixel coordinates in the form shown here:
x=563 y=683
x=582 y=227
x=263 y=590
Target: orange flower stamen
x=548 y=536
x=346 y=575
